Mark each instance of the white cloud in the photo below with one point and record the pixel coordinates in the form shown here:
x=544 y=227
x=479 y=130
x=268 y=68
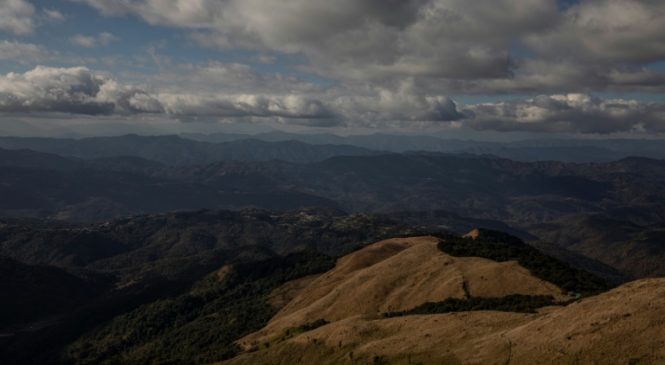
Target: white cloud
x=78 y=90
x=226 y=106
x=74 y=90
x=454 y=45
x=92 y=41
x=571 y=113
x=20 y=52
x=53 y=16
x=402 y=102
x=359 y=39
x=16 y=17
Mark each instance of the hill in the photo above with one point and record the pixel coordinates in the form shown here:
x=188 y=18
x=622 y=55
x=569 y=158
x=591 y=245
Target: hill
x=616 y=327
x=527 y=197
x=517 y=193
x=398 y=275
x=637 y=250
x=388 y=303
x=184 y=287
x=33 y=292
x=147 y=262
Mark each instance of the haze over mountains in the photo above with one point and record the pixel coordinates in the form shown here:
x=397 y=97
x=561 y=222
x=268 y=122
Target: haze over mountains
x=126 y=240
x=305 y=182
x=184 y=149
x=104 y=178
x=238 y=174
x=571 y=150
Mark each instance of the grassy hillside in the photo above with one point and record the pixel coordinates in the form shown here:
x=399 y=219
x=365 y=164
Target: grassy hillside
x=615 y=327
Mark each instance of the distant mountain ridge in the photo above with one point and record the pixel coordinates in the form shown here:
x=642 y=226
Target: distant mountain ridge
x=174 y=150
x=568 y=150
x=35 y=184
x=533 y=200
x=188 y=149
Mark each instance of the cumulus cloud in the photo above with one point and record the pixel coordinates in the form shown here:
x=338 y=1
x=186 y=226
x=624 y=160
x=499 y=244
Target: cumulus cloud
x=78 y=90
x=17 y=51
x=92 y=41
x=53 y=16
x=16 y=17
x=225 y=106
x=67 y=90
x=403 y=102
x=455 y=45
x=607 y=31
x=570 y=113
x=360 y=39
x=230 y=78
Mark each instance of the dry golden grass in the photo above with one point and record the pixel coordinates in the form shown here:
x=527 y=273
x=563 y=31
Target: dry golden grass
x=623 y=326
x=395 y=275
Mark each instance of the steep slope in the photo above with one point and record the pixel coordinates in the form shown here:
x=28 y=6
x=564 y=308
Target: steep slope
x=636 y=250
x=156 y=260
x=623 y=326
x=397 y=275
x=32 y=292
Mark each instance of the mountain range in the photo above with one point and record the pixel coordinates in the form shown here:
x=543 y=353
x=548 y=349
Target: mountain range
x=154 y=250
x=174 y=150
x=569 y=150
x=293 y=147
x=260 y=287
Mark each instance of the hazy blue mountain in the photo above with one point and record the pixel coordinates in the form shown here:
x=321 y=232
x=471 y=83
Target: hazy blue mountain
x=173 y=150
x=570 y=150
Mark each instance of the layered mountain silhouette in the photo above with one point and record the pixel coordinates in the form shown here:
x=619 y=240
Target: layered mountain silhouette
x=174 y=150
x=147 y=289
x=168 y=250
x=523 y=193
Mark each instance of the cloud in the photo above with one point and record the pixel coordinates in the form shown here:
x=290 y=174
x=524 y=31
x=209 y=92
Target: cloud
x=229 y=78
x=402 y=102
x=102 y=39
x=457 y=46
x=20 y=52
x=78 y=90
x=74 y=90
x=607 y=31
x=569 y=113
x=360 y=39
x=226 y=106
x=16 y=17
x=53 y=16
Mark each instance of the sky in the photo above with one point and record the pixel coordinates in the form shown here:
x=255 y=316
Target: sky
x=544 y=67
